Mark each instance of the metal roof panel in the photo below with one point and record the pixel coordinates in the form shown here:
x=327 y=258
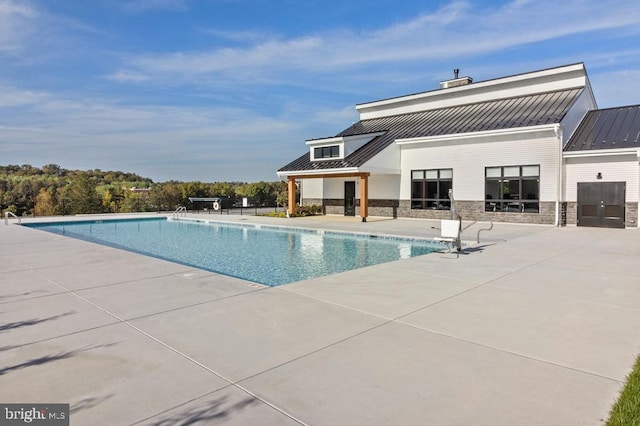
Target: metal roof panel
x=609 y=128
x=522 y=111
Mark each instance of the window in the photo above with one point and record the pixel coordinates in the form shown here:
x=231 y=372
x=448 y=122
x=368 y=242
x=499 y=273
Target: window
x=430 y=189
x=512 y=189
x=326 y=152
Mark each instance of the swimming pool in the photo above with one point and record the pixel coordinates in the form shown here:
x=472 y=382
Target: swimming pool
x=263 y=254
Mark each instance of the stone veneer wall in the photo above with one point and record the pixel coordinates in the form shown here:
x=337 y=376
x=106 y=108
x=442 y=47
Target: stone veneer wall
x=474 y=210
x=469 y=210
x=572 y=212
x=336 y=206
x=631 y=215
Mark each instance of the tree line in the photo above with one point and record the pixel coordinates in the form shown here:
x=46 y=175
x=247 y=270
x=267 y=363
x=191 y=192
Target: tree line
x=53 y=190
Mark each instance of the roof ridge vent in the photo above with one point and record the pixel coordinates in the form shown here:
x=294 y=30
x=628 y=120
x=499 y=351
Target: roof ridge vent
x=457 y=81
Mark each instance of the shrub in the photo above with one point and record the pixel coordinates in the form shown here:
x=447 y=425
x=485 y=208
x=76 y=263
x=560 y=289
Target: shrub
x=308 y=210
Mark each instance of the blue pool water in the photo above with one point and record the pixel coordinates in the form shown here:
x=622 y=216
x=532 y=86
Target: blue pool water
x=262 y=254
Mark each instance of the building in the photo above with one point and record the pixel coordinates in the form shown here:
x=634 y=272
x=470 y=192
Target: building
x=527 y=148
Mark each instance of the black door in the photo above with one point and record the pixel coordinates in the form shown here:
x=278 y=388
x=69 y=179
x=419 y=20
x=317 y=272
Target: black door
x=350 y=198
x=601 y=204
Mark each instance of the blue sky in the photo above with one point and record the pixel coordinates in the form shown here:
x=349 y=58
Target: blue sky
x=229 y=90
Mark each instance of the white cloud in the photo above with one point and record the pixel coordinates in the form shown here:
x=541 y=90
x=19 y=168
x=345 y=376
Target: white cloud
x=152 y=140
x=451 y=31
x=97 y=124
x=12 y=97
x=15 y=24
x=127 y=76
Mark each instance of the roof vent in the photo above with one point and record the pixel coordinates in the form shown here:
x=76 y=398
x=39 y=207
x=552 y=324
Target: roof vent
x=457 y=81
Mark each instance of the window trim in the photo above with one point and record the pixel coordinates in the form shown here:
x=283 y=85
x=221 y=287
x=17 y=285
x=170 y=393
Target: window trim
x=519 y=204
x=441 y=201
x=332 y=151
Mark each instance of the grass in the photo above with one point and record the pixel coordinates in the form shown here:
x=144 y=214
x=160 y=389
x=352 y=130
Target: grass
x=626 y=411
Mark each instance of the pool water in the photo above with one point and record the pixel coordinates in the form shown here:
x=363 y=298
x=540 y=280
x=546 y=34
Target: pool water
x=262 y=254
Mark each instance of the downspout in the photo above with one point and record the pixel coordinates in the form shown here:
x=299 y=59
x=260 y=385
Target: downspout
x=453 y=204
x=559 y=191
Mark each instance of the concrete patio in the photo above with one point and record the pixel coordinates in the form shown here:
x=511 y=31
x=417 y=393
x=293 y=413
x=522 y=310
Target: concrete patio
x=535 y=325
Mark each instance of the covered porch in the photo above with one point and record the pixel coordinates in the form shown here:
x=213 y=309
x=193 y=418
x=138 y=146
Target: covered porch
x=364 y=188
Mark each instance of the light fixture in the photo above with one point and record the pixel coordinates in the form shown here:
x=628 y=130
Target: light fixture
x=599 y=175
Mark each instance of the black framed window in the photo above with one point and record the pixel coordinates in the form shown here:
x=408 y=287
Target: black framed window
x=326 y=152
x=430 y=189
x=512 y=189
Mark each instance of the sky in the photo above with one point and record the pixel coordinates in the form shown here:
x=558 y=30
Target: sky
x=229 y=90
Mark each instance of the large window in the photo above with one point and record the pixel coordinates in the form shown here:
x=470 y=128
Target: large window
x=512 y=189
x=430 y=189
x=326 y=152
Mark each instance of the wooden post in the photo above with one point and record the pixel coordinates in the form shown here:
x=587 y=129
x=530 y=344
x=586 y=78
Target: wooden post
x=364 y=197
x=291 y=187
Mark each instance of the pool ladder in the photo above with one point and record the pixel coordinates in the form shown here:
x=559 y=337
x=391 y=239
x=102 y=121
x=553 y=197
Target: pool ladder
x=180 y=211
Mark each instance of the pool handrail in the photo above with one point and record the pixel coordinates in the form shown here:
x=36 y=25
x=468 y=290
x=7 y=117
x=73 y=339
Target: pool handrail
x=180 y=210
x=6 y=217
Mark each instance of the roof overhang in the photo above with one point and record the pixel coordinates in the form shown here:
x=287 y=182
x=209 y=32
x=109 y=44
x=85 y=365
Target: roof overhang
x=482 y=134
x=323 y=173
x=342 y=139
x=601 y=152
x=323 y=141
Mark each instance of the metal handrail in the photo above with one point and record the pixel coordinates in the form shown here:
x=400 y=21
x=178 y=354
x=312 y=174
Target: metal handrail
x=6 y=218
x=181 y=210
x=484 y=229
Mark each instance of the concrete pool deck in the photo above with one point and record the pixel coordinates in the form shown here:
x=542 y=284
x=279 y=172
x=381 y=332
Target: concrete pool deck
x=536 y=325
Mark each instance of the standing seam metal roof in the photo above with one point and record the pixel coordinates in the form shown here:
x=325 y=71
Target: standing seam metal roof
x=522 y=111
x=607 y=129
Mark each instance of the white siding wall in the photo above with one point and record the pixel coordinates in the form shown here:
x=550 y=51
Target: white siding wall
x=334 y=188
x=560 y=78
x=468 y=160
x=312 y=188
x=385 y=162
x=381 y=187
x=622 y=168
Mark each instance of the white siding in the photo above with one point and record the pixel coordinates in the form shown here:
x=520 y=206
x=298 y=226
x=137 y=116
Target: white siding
x=618 y=168
x=383 y=187
x=312 y=188
x=385 y=162
x=334 y=188
x=560 y=78
x=469 y=158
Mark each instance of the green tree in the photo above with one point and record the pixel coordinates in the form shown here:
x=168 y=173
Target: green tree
x=53 y=169
x=260 y=193
x=193 y=189
x=223 y=189
x=82 y=196
x=165 y=196
x=23 y=195
x=282 y=194
x=135 y=202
